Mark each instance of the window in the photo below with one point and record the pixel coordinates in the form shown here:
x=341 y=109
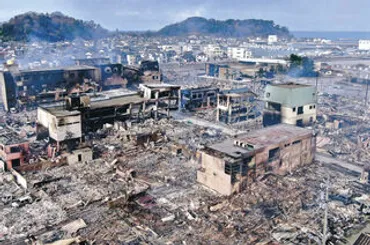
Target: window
x=299 y=123
x=300 y=110
x=15 y=149
x=311 y=107
x=294 y=109
x=296 y=142
x=79 y=157
x=274 y=154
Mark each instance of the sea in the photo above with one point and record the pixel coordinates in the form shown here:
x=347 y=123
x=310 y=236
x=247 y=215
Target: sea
x=332 y=35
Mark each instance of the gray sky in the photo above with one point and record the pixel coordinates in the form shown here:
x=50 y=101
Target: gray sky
x=305 y=15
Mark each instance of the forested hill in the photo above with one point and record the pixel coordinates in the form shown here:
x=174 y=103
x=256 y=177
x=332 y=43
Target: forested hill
x=49 y=27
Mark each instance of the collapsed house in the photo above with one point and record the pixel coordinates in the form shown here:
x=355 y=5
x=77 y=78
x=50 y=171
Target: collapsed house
x=236 y=105
x=290 y=103
x=14 y=150
x=39 y=86
x=229 y=166
x=199 y=98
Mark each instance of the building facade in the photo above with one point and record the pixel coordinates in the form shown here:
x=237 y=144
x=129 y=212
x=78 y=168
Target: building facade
x=229 y=167
x=289 y=103
x=14 y=150
x=236 y=105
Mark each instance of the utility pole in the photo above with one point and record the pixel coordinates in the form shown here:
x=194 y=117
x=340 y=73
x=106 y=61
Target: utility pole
x=317 y=84
x=367 y=89
x=325 y=196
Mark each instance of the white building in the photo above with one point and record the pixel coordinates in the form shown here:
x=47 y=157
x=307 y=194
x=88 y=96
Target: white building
x=364 y=44
x=238 y=53
x=213 y=50
x=272 y=39
x=289 y=103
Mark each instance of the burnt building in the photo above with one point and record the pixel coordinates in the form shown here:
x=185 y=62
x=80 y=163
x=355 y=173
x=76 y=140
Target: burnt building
x=14 y=150
x=236 y=105
x=31 y=87
x=163 y=98
x=199 y=98
x=80 y=114
x=290 y=103
x=93 y=61
x=228 y=167
x=150 y=72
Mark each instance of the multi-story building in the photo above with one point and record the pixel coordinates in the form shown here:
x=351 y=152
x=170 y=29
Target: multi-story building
x=228 y=167
x=238 y=53
x=199 y=98
x=14 y=150
x=364 y=44
x=289 y=103
x=236 y=105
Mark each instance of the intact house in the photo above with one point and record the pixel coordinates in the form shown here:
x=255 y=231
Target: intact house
x=228 y=167
x=289 y=103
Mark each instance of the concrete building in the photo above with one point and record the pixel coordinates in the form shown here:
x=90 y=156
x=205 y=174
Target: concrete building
x=238 y=53
x=30 y=87
x=162 y=97
x=80 y=114
x=213 y=50
x=364 y=44
x=199 y=98
x=34 y=87
x=236 y=105
x=62 y=125
x=14 y=150
x=271 y=39
x=289 y=103
x=229 y=167
x=79 y=155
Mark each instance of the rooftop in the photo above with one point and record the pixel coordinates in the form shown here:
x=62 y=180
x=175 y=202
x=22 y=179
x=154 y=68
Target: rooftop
x=8 y=137
x=60 y=69
x=274 y=135
x=291 y=85
x=161 y=85
x=260 y=138
x=118 y=101
x=60 y=111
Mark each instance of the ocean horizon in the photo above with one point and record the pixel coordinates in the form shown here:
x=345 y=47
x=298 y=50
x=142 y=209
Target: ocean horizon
x=332 y=35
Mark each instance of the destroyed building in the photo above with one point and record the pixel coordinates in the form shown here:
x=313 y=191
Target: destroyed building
x=150 y=72
x=14 y=150
x=229 y=166
x=199 y=98
x=29 y=87
x=161 y=97
x=80 y=114
x=290 y=103
x=236 y=105
x=32 y=87
x=61 y=125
